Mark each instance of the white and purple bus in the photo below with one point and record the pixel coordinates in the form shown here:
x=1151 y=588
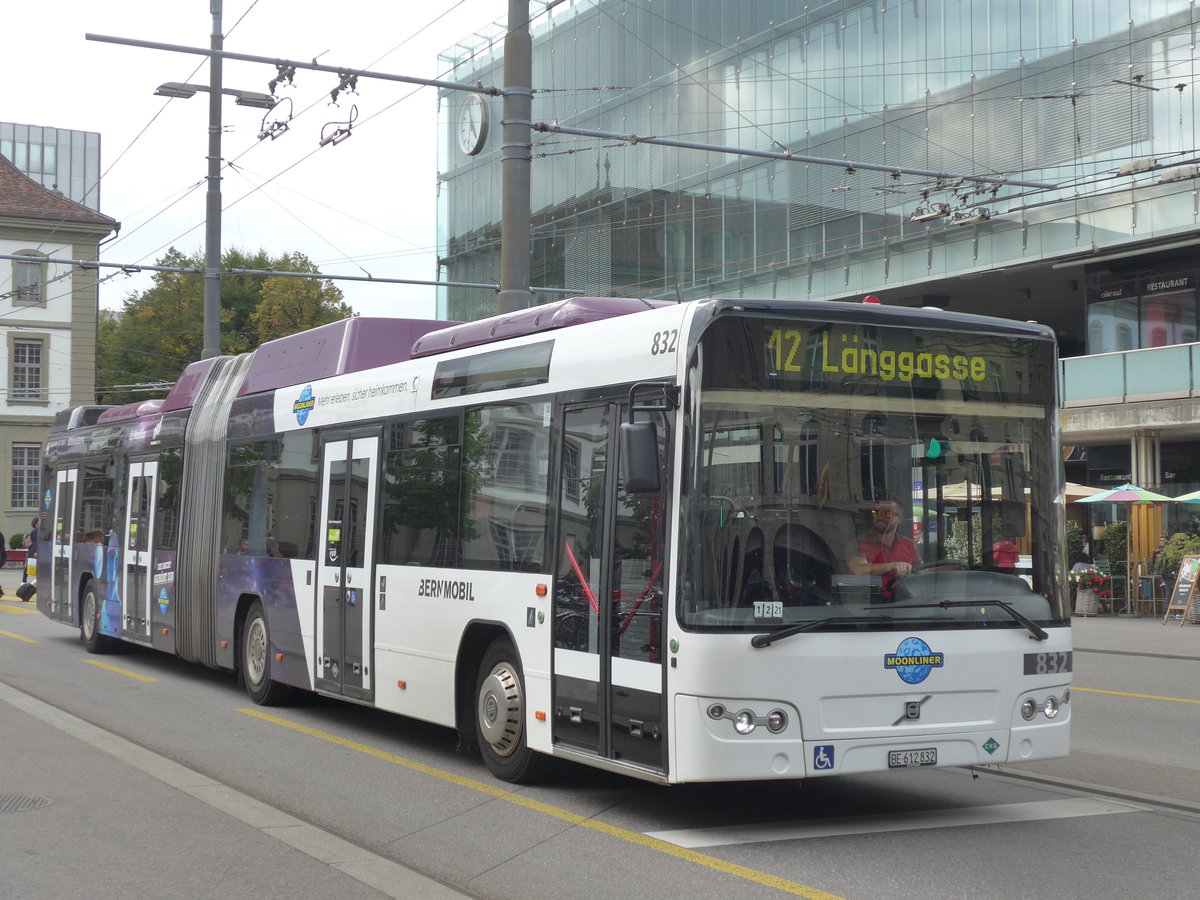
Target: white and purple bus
x=708 y=541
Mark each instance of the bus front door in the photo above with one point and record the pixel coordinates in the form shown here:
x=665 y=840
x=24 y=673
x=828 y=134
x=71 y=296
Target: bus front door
x=137 y=573
x=345 y=572
x=608 y=656
x=62 y=592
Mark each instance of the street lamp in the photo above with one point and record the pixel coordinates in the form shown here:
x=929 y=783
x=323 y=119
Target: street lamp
x=212 y=209
x=183 y=91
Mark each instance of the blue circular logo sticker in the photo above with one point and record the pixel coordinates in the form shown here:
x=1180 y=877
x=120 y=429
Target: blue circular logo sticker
x=913 y=660
x=304 y=404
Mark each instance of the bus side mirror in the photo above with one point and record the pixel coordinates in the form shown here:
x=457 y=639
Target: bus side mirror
x=640 y=469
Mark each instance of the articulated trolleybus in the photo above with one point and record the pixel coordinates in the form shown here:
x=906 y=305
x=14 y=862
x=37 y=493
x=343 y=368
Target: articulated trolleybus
x=708 y=541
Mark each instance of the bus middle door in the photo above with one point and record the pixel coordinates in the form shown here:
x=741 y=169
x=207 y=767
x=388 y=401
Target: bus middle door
x=345 y=572
x=608 y=659
x=62 y=588
x=137 y=575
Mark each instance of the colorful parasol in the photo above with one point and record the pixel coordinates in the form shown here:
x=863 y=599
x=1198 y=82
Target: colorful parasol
x=1127 y=493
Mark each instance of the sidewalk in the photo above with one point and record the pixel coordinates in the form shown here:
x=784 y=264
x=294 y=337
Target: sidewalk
x=79 y=806
x=1136 y=634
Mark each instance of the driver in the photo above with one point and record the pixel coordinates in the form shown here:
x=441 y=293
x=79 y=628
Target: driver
x=885 y=551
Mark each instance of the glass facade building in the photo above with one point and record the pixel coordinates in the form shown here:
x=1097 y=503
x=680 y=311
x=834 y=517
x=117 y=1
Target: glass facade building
x=1095 y=98
x=59 y=159
x=1092 y=100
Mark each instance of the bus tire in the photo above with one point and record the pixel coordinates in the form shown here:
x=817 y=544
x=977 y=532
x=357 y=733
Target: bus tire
x=256 y=660
x=500 y=717
x=89 y=622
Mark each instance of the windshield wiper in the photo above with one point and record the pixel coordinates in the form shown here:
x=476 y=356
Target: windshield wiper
x=764 y=640
x=1036 y=630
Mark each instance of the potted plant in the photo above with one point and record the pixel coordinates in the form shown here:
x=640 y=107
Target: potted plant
x=1089 y=587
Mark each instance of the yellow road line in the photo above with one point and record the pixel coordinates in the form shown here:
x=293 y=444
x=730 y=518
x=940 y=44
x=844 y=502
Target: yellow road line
x=1138 y=696
x=20 y=610
x=623 y=834
x=102 y=665
x=18 y=637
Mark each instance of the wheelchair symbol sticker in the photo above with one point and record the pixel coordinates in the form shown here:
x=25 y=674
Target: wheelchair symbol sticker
x=823 y=757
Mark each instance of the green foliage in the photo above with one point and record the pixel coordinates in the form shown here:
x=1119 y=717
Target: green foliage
x=957 y=546
x=1075 y=542
x=290 y=305
x=1116 y=547
x=956 y=541
x=160 y=331
x=1178 y=546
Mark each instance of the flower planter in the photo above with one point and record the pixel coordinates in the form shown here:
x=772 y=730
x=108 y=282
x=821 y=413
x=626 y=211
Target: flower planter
x=1086 y=602
x=1090 y=586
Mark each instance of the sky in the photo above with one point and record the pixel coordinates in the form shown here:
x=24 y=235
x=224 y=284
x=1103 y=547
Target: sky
x=366 y=205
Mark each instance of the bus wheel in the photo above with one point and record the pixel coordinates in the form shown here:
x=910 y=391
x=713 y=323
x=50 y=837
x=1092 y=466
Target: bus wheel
x=500 y=717
x=256 y=660
x=89 y=622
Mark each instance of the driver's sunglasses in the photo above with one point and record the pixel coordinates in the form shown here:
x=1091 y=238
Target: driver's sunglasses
x=882 y=513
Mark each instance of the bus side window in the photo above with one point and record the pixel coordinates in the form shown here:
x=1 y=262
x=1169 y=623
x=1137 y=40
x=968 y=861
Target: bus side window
x=422 y=483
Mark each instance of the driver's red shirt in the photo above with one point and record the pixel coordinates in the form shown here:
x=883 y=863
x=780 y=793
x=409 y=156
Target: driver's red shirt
x=901 y=550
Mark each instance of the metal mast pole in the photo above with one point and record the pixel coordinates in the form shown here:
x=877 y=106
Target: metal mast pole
x=212 y=199
x=515 y=154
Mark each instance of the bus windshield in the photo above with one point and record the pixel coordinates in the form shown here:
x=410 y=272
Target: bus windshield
x=853 y=476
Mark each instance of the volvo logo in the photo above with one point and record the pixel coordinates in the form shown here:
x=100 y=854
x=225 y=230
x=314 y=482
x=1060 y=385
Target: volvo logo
x=912 y=710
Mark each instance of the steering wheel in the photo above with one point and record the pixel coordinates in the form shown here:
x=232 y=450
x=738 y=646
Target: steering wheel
x=937 y=564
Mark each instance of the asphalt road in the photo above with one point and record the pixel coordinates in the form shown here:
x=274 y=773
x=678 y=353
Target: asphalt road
x=139 y=774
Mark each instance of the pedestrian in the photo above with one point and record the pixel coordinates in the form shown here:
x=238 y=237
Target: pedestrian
x=28 y=542
x=3 y=559
x=1006 y=554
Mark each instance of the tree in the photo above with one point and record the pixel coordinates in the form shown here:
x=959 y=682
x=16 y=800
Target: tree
x=289 y=305
x=161 y=330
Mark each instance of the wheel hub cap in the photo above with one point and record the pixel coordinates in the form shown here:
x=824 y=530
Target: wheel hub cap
x=500 y=709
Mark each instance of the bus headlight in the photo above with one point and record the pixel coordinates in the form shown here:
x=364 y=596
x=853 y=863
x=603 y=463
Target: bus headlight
x=1050 y=707
x=744 y=722
x=1028 y=708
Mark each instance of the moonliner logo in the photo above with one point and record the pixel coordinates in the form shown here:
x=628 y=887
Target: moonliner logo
x=913 y=660
x=304 y=404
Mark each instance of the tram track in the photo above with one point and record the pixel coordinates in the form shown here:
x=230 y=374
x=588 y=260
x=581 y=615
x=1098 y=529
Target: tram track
x=1152 y=802
x=1191 y=657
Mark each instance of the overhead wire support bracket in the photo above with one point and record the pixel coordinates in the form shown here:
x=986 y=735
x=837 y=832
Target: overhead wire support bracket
x=296 y=64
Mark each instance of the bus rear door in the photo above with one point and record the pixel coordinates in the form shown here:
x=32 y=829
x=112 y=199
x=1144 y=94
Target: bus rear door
x=608 y=659
x=137 y=572
x=345 y=573
x=62 y=590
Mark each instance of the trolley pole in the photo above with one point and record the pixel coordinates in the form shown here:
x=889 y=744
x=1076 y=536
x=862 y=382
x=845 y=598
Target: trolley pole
x=515 y=156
